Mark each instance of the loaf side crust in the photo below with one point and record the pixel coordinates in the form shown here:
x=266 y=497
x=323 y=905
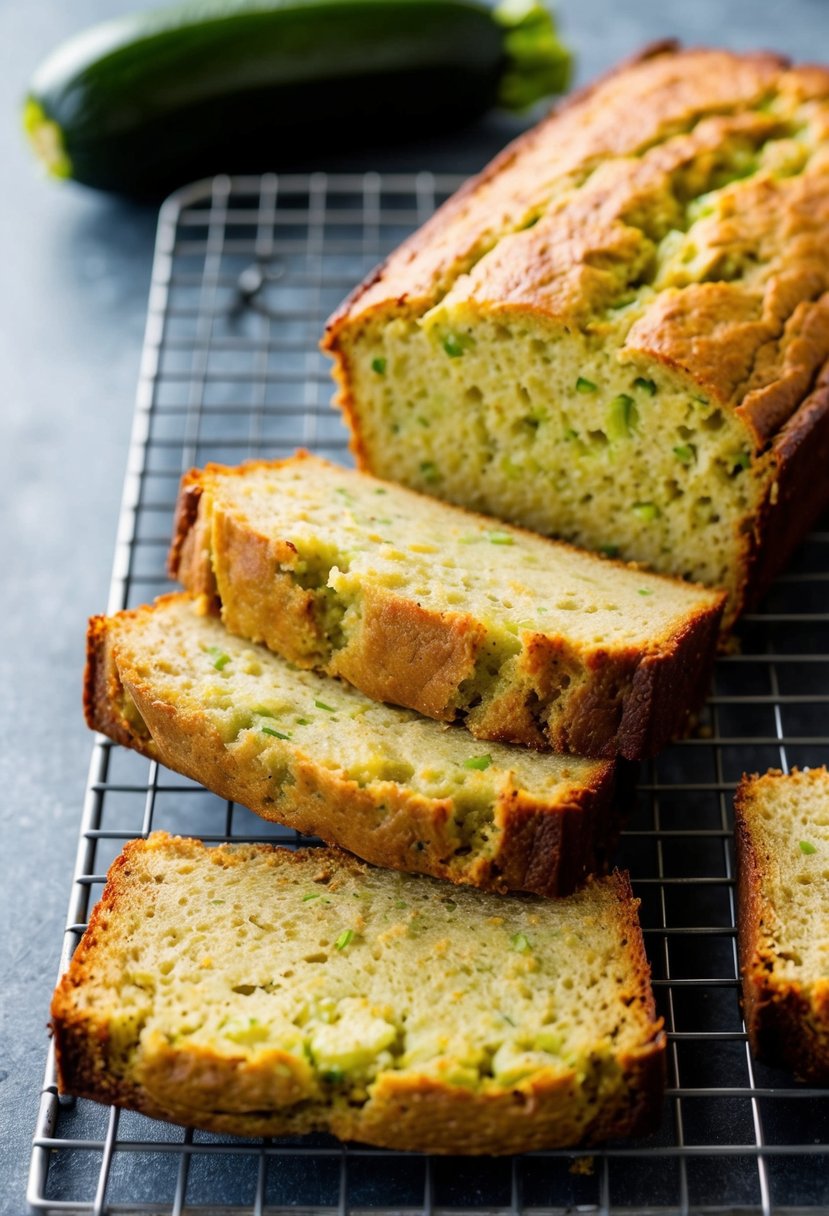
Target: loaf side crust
x=609 y=700
x=545 y=849
x=103 y=690
x=796 y=495
x=787 y=1024
x=403 y=1112
x=189 y=555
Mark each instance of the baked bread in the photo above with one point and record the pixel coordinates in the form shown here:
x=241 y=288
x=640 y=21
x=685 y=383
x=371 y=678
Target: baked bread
x=618 y=333
x=313 y=753
x=782 y=834
x=261 y=992
x=449 y=613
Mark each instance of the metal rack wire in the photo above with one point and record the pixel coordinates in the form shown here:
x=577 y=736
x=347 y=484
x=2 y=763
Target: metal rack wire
x=245 y=272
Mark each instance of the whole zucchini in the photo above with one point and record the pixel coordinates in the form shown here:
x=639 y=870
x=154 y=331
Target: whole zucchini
x=143 y=103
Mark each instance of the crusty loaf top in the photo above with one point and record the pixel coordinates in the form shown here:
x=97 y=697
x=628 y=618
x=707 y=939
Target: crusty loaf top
x=679 y=209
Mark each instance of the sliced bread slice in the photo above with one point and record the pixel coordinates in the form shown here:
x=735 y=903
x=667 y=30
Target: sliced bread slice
x=316 y=754
x=257 y=991
x=453 y=614
x=782 y=832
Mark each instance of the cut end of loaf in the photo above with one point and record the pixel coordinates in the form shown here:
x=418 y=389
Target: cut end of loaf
x=605 y=335
x=546 y=429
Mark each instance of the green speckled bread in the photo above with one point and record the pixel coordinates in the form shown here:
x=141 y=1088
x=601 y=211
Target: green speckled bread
x=261 y=992
x=618 y=333
x=319 y=756
x=453 y=614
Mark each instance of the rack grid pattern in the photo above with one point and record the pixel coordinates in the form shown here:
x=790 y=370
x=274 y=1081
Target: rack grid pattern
x=246 y=271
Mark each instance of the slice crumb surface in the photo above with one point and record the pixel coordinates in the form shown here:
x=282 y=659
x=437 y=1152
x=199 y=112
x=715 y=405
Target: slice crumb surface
x=247 y=987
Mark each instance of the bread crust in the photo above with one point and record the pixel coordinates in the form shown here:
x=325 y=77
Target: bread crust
x=796 y=493
x=408 y=1112
x=541 y=848
x=660 y=74
x=102 y=688
x=608 y=701
x=190 y=547
x=787 y=1023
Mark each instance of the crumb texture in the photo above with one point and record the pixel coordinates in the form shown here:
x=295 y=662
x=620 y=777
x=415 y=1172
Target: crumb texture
x=249 y=987
x=604 y=335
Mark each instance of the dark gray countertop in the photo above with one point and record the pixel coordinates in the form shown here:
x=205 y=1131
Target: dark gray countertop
x=75 y=273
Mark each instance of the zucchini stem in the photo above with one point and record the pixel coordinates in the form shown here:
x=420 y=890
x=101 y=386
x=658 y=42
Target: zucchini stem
x=537 y=63
x=46 y=138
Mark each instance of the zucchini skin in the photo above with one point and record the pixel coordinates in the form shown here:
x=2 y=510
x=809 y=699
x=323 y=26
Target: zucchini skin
x=144 y=103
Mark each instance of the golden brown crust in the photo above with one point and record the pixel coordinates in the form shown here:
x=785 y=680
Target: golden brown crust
x=195 y=1086
x=259 y=599
x=796 y=492
x=102 y=686
x=787 y=1023
x=268 y=606
x=553 y=854
x=409 y=654
x=81 y=1038
x=410 y=1115
x=454 y=207
x=632 y=108
x=189 y=554
x=607 y=701
x=398 y=827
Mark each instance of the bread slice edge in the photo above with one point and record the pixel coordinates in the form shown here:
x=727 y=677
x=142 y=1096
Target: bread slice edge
x=787 y=1025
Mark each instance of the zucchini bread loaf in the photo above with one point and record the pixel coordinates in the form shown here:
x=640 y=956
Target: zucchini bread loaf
x=782 y=833
x=452 y=614
x=315 y=754
x=618 y=332
x=261 y=992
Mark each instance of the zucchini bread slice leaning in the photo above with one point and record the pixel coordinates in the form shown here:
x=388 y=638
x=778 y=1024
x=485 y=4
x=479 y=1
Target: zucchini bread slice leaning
x=618 y=333
x=259 y=992
x=453 y=614
x=782 y=837
x=313 y=753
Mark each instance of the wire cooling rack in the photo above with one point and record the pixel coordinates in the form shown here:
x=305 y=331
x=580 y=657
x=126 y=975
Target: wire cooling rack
x=246 y=271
